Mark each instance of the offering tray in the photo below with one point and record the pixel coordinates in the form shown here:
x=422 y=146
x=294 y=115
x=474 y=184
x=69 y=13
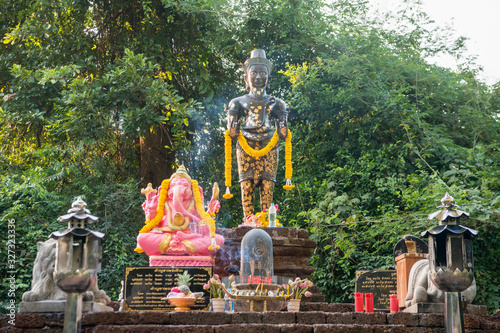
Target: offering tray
x=258 y=297
x=181 y=303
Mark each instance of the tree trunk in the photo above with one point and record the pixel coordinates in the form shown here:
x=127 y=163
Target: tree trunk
x=157 y=162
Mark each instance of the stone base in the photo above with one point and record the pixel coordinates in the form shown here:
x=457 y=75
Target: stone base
x=291 y=251
x=187 y=261
x=317 y=318
x=60 y=306
x=439 y=308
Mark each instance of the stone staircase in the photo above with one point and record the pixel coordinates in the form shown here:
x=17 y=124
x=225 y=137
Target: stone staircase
x=313 y=317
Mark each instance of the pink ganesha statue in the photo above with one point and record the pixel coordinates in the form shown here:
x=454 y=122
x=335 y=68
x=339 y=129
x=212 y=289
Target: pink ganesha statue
x=176 y=220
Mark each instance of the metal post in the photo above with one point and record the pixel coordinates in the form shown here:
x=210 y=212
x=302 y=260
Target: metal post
x=453 y=314
x=73 y=313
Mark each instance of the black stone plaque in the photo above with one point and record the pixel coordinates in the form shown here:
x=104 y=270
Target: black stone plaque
x=146 y=286
x=381 y=283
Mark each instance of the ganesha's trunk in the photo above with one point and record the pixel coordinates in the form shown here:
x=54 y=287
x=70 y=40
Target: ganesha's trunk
x=183 y=203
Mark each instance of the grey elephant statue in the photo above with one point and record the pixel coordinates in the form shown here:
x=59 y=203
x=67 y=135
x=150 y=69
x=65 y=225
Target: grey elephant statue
x=43 y=286
x=422 y=290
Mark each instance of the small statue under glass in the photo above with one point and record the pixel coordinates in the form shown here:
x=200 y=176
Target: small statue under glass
x=252 y=115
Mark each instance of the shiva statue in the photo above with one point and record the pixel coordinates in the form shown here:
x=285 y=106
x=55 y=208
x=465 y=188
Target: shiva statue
x=252 y=115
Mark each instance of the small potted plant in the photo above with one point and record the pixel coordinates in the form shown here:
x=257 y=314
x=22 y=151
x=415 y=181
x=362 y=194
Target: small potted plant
x=299 y=288
x=214 y=286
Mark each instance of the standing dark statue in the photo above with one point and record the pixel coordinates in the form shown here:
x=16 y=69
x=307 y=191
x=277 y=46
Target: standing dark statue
x=254 y=114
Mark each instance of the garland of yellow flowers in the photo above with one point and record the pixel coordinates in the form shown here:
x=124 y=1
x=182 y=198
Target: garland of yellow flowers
x=159 y=212
x=227 y=164
x=204 y=215
x=256 y=154
x=288 y=162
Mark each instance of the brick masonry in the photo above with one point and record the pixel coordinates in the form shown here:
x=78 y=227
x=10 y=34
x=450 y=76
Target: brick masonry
x=291 y=251
x=323 y=318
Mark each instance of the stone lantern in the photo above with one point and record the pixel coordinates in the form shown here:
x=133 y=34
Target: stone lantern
x=78 y=259
x=451 y=262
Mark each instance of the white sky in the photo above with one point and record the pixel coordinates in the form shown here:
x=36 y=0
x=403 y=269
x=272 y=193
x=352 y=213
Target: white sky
x=477 y=20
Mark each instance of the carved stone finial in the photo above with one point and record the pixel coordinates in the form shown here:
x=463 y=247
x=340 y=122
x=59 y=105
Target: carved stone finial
x=450 y=213
x=79 y=211
x=447 y=201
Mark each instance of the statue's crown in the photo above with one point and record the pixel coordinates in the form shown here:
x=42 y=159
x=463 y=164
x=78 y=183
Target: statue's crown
x=181 y=173
x=258 y=57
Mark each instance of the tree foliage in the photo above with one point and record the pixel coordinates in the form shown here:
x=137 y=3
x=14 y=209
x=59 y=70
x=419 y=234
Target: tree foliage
x=98 y=98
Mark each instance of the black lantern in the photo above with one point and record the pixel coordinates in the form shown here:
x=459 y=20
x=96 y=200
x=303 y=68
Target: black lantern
x=78 y=260
x=451 y=263
x=450 y=249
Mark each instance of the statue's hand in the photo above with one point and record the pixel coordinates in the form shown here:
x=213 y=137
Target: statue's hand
x=282 y=130
x=213 y=206
x=213 y=246
x=234 y=130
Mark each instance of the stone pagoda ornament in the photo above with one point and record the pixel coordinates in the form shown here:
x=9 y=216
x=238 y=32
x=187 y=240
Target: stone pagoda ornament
x=78 y=259
x=450 y=259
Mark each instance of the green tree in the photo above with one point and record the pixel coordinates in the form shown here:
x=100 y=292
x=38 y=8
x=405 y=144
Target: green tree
x=384 y=135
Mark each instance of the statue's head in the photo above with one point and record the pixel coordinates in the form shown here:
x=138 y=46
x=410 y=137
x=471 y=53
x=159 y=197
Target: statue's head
x=257 y=70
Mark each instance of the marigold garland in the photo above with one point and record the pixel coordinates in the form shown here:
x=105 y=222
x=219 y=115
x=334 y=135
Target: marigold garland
x=159 y=211
x=203 y=214
x=288 y=162
x=227 y=164
x=258 y=153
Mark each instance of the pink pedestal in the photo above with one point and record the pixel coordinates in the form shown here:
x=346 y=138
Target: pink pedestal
x=186 y=261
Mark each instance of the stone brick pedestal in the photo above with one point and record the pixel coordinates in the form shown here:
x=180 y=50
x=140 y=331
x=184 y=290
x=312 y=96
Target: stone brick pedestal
x=188 y=261
x=60 y=306
x=291 y=251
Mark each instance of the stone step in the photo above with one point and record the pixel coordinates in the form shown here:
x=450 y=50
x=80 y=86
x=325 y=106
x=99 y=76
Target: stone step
x=240 y=322
x=256 y=328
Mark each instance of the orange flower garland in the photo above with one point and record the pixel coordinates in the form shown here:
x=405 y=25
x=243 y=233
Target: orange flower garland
x=227 y=164
x=159 y=211
x=288 y=162
x=258 y=153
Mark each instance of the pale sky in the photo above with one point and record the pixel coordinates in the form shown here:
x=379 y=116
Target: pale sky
x=477 y=20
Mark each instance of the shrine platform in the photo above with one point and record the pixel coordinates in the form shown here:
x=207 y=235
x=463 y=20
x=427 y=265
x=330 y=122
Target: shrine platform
x=313 y=318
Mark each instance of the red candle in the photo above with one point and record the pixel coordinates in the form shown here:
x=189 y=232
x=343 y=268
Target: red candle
x=369 y=302
x=394 y=303
x=358 y=302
